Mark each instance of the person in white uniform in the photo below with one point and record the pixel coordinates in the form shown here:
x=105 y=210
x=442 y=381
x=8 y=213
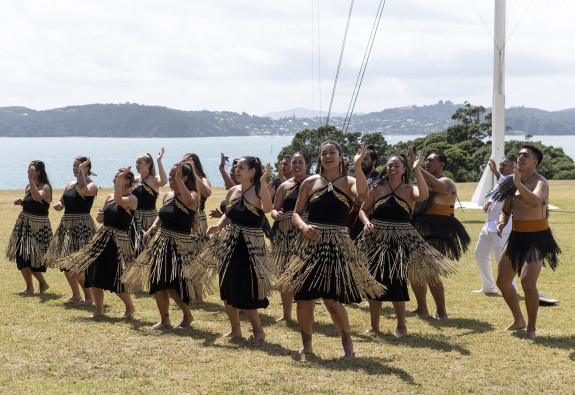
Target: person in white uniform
x=489 y=243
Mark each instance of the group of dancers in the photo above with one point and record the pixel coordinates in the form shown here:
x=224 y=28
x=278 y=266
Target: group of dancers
x=310 y=256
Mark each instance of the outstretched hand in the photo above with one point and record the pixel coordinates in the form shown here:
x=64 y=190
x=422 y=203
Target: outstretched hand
x=124 y=172
x=414 y=162
x=358 y=158
x=266 y=174
x=160 y=155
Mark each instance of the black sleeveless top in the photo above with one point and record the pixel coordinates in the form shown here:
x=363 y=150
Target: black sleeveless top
x=242 y=212
x=176 y=216
x=146 y=196
x=117 y=216
x=74 y=203
x=290 y=198
x=329 y=205
x=391 y=208
x=30 y=206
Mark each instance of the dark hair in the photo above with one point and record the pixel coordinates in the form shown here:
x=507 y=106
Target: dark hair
x=43 y=176
x=83 y=159
x=287 y=156
x=370 y=150
x=189 y=171
x=255 y=163
x=305 y=158
x=342 y=168
x=129 y=176
x=147 y=157
x=510 y=158
x=383 y=177
x=197 y=164
x=538 y=153
x=441 y=156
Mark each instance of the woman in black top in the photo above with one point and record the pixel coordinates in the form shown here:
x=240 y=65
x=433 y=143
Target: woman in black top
x=32 y=233
x=327 y=265
x=282 y=246
x=77 y=227
x=172 y=248
x=238 y=252
x=146 y=192
x=110 y=252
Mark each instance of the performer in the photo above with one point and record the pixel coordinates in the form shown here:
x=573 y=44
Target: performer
x=32 y=233
x=394 y=249
x=238 y=252
x=110 y=252
x=160 y=266
x=77 y=227
x=146 y=192
x=282 y=246
x=284 y=173
x=435 y=221
x=229 y=178
x=327 y=265
x=205 y=190
x=489 y=243
x=531 y=243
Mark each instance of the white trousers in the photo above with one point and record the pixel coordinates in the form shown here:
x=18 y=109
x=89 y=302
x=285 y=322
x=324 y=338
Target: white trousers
x=489 y=244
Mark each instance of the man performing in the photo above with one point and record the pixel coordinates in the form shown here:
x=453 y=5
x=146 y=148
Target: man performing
x=489 y=243
x=435 y=221
x=531 y=242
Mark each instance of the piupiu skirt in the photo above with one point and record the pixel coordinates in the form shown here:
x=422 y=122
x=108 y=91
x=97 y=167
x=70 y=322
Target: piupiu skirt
x=29 y=241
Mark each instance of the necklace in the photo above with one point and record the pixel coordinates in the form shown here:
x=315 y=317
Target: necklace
x=531 y=176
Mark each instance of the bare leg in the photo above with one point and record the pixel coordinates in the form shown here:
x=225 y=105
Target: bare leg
x=43 y=285
x=374 y=312
x=420 y=292
x=438 y=293
x=198 y=297
x=188 y=317
x=287 y=301
x=88 y=300
x=125 y=297
x=505 y=274
x=163 y=303
x=341 y=321
x=27 y=274
x=529 y=275
x=304 y=312
x=401 y=329
x=98 y=295
x=258 y=331
x=74 y=286
x=234 y=317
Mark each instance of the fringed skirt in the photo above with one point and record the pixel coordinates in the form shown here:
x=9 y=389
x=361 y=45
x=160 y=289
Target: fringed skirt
x=238 y=255
x=161 y=265
x=282 y=246
x=396 y=253
x=73 y=233
x=105 y=259
x=200 y=233
x=331 y=268
x=29 y=241
x=141 y=222
x=530 y=245
x=444 y=233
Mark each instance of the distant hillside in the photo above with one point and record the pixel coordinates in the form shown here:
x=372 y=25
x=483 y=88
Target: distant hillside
x=134 y=120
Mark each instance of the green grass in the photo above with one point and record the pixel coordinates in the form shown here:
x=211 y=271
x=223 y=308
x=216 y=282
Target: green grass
x=47 y=345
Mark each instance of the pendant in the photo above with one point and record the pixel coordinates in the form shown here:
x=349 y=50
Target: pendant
x=329 y=187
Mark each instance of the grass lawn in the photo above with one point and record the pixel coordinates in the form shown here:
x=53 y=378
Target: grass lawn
x=47 y=345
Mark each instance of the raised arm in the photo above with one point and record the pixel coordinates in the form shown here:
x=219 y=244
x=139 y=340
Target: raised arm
x=359 y=188
x=267 y=204
x=38 y=194
x=85 y=186
x=162 y=177
x=190 y=199
x=419 y=192
x=226 y=177
x=125 y=201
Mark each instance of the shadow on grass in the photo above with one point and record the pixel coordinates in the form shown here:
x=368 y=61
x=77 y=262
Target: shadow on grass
x=470 y=325
x=416 y=340
x=135 y=323
x=45 y=297
x=561 y=342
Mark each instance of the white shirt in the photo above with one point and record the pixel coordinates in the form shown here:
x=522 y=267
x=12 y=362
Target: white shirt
x=493 y=214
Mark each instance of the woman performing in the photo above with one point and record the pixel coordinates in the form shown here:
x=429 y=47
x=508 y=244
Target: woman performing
x=146 y=192
x=77 y=227
x=171 y=249
x=327 y=265
x=110 y=252
x=238 y=252
x=395 y=251
x=282 y=247
x=205 y=190
x=32 y=233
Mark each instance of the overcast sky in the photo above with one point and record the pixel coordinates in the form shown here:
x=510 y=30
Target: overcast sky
x=262 y=56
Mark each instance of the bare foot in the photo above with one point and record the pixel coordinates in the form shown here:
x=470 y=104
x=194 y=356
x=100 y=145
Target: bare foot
x=529 y=335
x=186 y=322
x=347 y=351
x=400 y=332
x=87 y=302
x=26 y=291
x=371 y=330
x=257 y=336
x=162 y=325
x=519 y=324
x=128 y=313
x=305 y=351
x=283 y=318
x=73 y=299
x=43 y=288
x=439 y=317
x=233 y=334
x=97 y=314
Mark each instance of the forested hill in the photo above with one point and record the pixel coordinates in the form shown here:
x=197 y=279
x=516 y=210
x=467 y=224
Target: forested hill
x=134 y=120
